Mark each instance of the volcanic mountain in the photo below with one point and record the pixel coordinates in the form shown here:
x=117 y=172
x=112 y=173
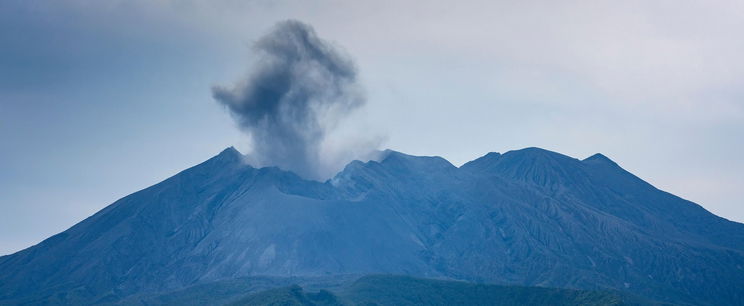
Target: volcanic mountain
x=529 y=217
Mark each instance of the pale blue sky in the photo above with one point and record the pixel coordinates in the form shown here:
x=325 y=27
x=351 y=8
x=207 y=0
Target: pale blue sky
x=99 y=99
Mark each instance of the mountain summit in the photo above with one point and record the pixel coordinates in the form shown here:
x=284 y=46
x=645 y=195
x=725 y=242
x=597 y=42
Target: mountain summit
x=526 y=217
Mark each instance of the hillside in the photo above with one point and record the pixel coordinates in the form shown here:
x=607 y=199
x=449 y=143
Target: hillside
x=402 y=290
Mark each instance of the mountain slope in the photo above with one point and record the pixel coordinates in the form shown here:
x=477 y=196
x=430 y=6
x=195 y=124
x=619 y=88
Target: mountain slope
x=527 y=217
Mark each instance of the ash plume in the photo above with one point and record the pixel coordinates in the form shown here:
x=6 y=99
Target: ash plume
x=298 y=89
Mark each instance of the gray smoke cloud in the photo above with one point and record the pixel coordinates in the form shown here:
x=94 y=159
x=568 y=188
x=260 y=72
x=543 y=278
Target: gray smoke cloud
x=298 y=88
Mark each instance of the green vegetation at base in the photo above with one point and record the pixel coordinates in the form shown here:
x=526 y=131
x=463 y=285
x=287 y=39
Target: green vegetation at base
x=290 y=296
x=402 y=290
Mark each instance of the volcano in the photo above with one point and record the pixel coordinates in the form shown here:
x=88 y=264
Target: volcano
x=528 y=217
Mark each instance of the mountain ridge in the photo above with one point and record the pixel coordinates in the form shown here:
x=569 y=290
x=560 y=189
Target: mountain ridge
x=525 y=217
